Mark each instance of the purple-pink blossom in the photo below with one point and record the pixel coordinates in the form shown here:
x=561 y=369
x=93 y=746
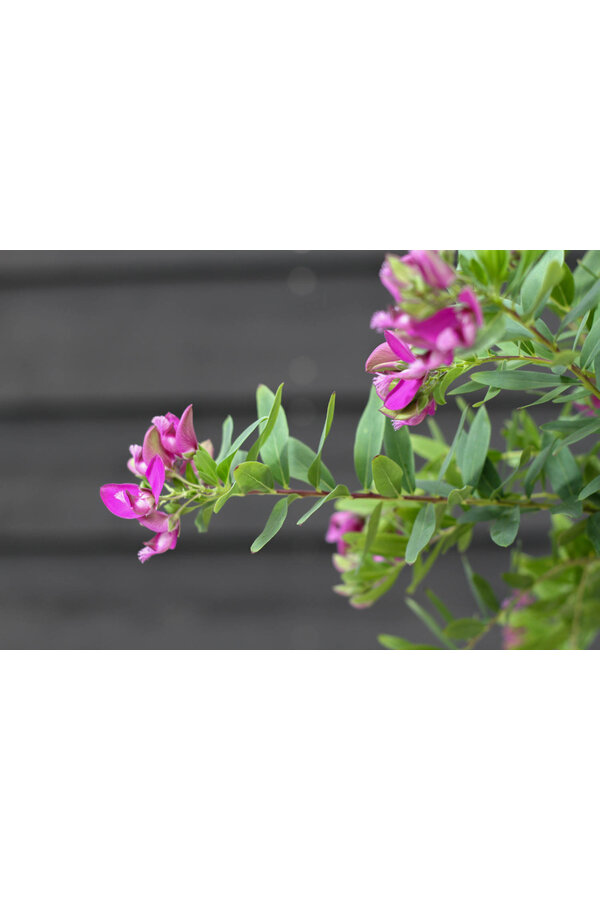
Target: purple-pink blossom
x=340 y=524
x=589 y=410
x=400 y=377
x=425 y=264
x=169 y=443
x=512 y=637
x=447 y=329
x=130 y=501
x=160 y=543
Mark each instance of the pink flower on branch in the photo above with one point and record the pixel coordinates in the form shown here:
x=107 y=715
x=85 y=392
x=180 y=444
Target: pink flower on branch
x=340 y=524
x=130 y=501
x=419 y=269
x=402 y=378
x=512 y=637
x=160 y=543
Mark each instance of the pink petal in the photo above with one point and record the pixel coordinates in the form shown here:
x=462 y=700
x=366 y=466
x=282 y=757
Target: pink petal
x=119 y=499
x=403 y=394
x=401 y=350
x=155 y=474
x=156 y=521
x=468 y=298
x=186 y=440
x=382 y=355
x=436 y=273
x=160 y=543
x=136 y=464
x=153 y=447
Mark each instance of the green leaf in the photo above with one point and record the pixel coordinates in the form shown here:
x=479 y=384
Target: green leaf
x=371 y=530
x=452 y=450
x=398 y=447
x=267 y=429
x=591 y=345
x=593 y=531
x=591 y=488
x=388 y=477
x=538 y=464
x=422 y=532
x=564 y=474
x=274 y=450
x=203 y=518
x=428 y=448
x=464 y=629
x=274 y=522
x=369 y=436
x=389 y=545
x=469 y=387
x=490 y=483
x=536 y=289
x=430 y=623
x=564 y=292
x=206 y=466
x=587 y=272
x=505 y=527
x=481 y=589
x=226 y=435
x=490 y=334
x=367 y=598
x=300 y=458
x=225 y=464
x=222 y=500
x=339 y=490
x=588 y=302
x=390 y=642
x=439 y=605
x=476 y=447
x=518 y=381
x=314 y=472
x=518 y=580
x=579 y=434
x=253 y=476
x=547 y=398
x=439 y=392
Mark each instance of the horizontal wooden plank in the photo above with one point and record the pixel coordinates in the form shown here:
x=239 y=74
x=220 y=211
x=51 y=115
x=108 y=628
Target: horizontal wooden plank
x=104 y=343
x=42 y=268
x=260 y=602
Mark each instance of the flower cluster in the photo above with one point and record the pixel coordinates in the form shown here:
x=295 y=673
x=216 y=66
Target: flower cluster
x=426 y=318
x=168 y=445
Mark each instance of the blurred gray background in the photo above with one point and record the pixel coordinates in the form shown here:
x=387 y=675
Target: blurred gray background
x=96 y=343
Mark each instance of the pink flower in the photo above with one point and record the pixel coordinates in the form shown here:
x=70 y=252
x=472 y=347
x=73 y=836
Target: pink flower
x=340 y=524
x=169 y=437
x=401 y=378
x=511 y=637
x=415 y=419
x=387 y=318
x=177 y=436
x=160 y=543
x=585 y=409
x=130 y=501
x=426 y=265
x=434 y=271
x=455 y=326
x=136 y=463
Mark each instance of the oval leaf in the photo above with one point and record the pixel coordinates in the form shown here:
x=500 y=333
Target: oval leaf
x=422 y=532
x=388 y=477
x=253 y=476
